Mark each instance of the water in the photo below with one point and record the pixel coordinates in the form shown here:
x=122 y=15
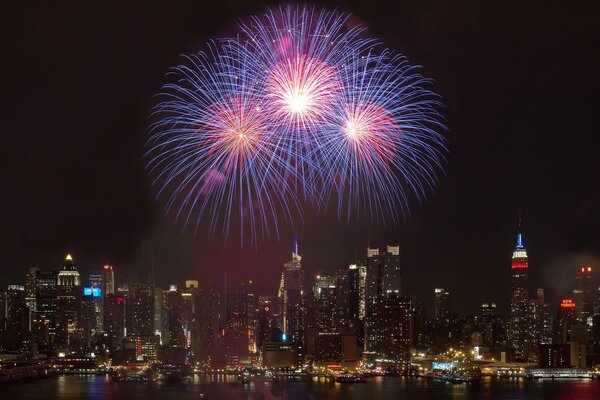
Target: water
x=101 y=387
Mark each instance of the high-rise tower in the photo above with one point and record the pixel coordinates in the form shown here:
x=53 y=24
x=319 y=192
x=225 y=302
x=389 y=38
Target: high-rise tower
x=519 y=299
x=384 y=305
x=142 y=309
x=291 y=311
x=68 y=309
x=46 y=292
x=443 y=306
x=108 y=280
x=583 y=293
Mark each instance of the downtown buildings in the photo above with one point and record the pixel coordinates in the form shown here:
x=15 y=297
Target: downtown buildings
x=352 y=316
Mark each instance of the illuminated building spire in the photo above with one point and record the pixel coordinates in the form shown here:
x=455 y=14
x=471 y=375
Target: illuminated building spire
x=296 y=244
x=295 y=264
x=519 y=232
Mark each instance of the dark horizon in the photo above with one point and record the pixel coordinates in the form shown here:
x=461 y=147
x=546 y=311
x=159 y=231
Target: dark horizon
x=520 y=87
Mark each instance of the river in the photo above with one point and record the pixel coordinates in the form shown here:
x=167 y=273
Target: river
x=101 y=387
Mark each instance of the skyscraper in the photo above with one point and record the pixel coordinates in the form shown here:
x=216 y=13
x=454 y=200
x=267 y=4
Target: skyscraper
x=342 y=313
x=391 y=340
x=174 y=314
x=142 y=309
x=519 y=300
x=46 y=292
x=443 y=306
x=30 y=293
x=68 y=306
x=540 y=326
x=96 y=283
x=566 y=317
x=264 y=320
x=419 y=325
x=252 y=316
x=108 y=280
x=382 y=289
x=357 y=274
x=290 y=303
x=354 y=294
x=159 y=313
x=16 y=317
x=326 y=310
x=383 y=271
x=114 y=319
x=583 y=293
x=209 y=321
x=191 y=331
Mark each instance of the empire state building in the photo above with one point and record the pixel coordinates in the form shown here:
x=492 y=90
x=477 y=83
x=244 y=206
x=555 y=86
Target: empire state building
x=519 y=300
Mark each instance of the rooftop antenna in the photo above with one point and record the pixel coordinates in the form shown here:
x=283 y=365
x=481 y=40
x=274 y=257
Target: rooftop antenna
x=519 y=233
x=296 y=244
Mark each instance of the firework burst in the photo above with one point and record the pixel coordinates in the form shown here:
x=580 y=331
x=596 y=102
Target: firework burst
x=382 y=141
x=297 y=109
x=212 y=151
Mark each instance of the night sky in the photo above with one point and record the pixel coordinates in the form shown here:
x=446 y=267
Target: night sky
x=521 y=85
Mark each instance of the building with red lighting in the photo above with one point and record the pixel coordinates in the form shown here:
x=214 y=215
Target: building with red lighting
x=519 y=300
x=108 y=280
x=114 y=319
x=583 y=293
x=565 y=318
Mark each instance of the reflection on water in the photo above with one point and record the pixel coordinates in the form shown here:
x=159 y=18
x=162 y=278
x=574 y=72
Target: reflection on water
x=219 y=387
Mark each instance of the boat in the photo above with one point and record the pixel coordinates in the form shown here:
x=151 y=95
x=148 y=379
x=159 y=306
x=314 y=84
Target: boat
x=135 y=377
x=350 y=378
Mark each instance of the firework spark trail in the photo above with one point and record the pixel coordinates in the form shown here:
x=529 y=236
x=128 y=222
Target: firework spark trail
x=382 y=139
x=212 y=149
x=297 y=109
x=301 y=51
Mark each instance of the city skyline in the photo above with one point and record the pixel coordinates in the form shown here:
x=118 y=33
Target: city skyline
x=354 y=316
x=270 y=285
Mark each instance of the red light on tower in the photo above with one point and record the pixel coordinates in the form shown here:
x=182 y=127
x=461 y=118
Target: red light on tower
x=567 y=303
x=519 y=263
x=107 y=268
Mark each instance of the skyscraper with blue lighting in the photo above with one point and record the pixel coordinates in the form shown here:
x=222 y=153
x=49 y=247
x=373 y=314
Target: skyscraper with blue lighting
x=291 y=306
x=519 y=299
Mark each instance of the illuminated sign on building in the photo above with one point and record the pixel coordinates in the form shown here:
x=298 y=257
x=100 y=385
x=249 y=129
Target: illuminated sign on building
x=567 y=303
x=92 y=291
